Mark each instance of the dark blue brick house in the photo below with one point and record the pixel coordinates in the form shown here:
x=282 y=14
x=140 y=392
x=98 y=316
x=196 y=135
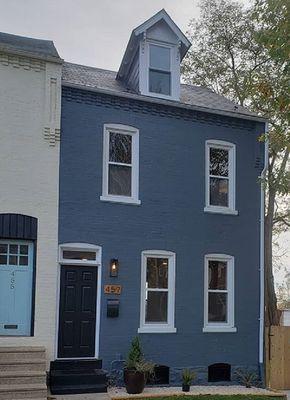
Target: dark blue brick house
x=159 y=199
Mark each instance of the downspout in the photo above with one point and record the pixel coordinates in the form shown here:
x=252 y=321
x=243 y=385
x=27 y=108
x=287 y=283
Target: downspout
x=262 y=258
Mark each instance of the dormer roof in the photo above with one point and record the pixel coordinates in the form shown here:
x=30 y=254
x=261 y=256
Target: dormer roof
x=139 y=32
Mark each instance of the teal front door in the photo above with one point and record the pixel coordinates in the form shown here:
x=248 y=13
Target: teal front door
x=16 y=275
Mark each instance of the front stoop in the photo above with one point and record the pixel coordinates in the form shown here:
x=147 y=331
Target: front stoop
x=23 y=373
x=77 y=376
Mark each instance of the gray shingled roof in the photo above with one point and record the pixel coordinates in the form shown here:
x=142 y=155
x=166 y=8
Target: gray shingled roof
x=24 y=45
x=193 y=97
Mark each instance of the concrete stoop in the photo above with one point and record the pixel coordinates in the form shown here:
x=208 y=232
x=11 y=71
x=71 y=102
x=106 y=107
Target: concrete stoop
x=23 y=373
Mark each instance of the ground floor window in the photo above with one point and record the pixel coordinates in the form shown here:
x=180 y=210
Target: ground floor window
x=16 y=287
x=219 y=293
x=157 y=291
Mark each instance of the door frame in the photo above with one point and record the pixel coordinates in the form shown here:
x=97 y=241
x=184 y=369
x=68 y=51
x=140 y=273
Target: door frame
x=33 y=247
x=81 y=263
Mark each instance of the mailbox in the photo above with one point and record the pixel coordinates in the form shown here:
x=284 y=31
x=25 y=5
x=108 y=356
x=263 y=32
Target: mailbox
x=113 y=308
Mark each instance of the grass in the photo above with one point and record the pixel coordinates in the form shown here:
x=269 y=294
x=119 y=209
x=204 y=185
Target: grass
x=214 y=397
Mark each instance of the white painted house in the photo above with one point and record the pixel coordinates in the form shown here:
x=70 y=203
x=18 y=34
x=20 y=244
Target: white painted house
x=30 y=100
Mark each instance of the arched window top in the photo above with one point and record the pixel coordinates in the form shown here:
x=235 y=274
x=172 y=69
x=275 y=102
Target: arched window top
x=221 y=143
x=18 y=226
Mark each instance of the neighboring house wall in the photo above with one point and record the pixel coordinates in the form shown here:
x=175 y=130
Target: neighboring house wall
x=171 y=217
x=29 y=174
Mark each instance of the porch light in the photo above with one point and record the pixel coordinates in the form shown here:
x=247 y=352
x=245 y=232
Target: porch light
x=114 y=267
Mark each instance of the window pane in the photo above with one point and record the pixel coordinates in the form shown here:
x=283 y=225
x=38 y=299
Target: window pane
x=217 y=307
x=219 y=162
x=160 y=57
x=3 y=259
x=219 y=189
x=3 y=248
x=78 y=255
x=120 y=148
x=159 y=82
x=119 y=180
x=23 y=249
x=13 y=260
x=157 y=272
x=13 y=248
x=23 y=260
x=156 y=307
x=217 y=275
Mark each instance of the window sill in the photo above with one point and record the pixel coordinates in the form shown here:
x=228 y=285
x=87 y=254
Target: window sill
x=157 y=329
x=217 y=329
x=220 y=210
x=120 y=200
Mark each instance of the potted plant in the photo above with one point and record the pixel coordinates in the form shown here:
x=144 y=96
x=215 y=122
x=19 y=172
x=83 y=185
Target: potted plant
x=187 y=378
x=136 y=369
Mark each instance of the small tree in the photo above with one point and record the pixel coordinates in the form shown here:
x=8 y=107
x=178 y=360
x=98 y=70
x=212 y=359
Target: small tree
x=135 y=354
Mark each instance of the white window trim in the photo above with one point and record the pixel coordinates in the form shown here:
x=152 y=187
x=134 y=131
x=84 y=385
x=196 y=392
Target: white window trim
x=218 y=326
x=231 y=148
x=126 y=130
x=144 y=62
x=158 y=327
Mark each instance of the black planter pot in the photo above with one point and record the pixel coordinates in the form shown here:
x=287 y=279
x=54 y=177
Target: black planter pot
x=134 y=381
x=185 y=388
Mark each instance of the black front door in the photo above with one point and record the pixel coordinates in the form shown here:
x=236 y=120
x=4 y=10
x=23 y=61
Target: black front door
x=77 y=311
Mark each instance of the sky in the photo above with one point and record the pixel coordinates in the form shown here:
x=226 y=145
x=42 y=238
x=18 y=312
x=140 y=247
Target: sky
x=96 y=32
x=89 y=32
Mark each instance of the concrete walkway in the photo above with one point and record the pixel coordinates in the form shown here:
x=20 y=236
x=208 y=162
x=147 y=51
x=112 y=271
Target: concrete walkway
x=120 y=393
x=87 y=396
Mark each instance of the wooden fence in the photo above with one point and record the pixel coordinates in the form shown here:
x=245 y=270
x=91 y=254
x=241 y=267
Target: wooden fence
x=277 y=354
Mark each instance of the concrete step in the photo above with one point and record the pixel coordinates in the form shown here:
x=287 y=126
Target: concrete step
x=13 y=392
x=22 y=377
x=15 y=353
x=23 y=365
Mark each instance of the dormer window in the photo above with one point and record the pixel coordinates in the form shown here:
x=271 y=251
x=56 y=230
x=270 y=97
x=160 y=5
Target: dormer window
x=159 y=69
x=151 y=63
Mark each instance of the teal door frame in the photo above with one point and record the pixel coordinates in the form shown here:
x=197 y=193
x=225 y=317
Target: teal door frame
x=16 y=287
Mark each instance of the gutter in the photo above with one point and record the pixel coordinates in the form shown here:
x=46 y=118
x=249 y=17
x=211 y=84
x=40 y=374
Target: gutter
x=262 y=256
x=169 y=103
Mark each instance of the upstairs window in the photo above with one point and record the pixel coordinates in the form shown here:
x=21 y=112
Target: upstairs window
x=120 y=164
x=220 y=177
x=159 y=70
x=219 y=293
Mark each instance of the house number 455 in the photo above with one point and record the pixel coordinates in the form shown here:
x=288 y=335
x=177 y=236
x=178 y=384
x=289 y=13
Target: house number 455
x=12 y=281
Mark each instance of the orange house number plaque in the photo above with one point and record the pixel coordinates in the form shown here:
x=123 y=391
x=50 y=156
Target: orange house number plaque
x=113 y=289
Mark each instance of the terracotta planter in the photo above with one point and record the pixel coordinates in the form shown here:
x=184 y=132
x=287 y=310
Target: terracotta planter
x=185 y=388
x=134 y=381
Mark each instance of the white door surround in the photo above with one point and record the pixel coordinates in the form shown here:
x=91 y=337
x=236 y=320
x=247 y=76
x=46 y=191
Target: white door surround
x=97 y=262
